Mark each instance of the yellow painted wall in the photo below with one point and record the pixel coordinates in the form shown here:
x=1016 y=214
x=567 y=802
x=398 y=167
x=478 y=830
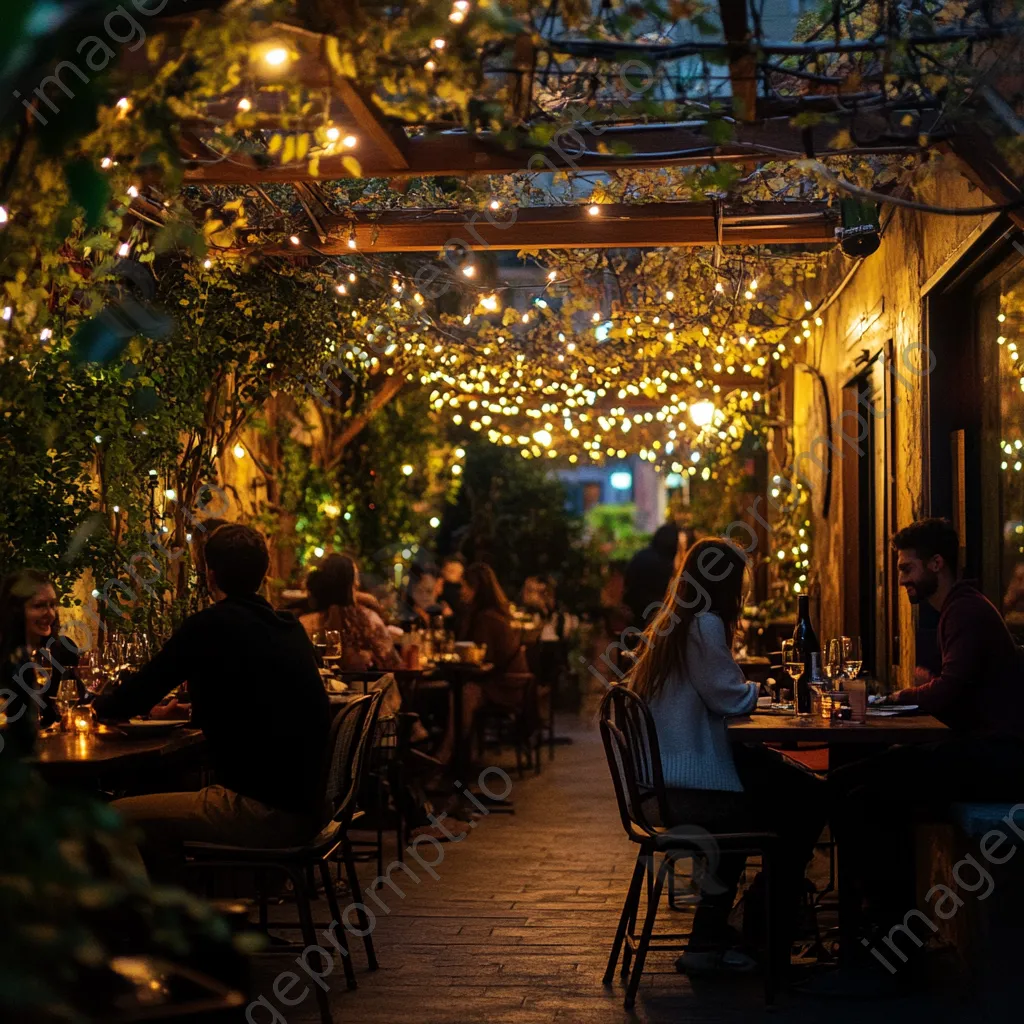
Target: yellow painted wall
x=882 y=300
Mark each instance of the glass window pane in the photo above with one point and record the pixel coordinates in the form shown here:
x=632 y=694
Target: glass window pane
x=1001 y=333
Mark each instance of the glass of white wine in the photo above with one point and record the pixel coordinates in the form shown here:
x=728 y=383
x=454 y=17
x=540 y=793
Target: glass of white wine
x=66 y=700
x=852 y=658
x=792 y=662
x=834 y=661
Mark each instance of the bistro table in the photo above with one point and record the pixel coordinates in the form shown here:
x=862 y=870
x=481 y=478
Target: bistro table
x=85 y=757
x=878 y=731
x=846 y=741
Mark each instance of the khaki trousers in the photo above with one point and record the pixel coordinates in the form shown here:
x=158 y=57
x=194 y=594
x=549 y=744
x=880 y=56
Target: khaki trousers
x=165 y=821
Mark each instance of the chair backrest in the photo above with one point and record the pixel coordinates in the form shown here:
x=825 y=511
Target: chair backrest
x=351 y=736
x=634 y=759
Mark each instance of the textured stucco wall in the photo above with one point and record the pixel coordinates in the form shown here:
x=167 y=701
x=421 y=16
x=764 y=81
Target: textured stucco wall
x=884 y=299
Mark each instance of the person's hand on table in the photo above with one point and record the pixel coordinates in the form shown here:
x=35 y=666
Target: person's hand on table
x=172 y=708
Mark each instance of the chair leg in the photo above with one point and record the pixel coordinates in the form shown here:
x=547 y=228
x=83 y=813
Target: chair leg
x=627 y=953
x=332 y=905
x=302 y=897
x=628 y=910
x=775 y=954
x=261 y=890
x=645 y=936
x=357 y=896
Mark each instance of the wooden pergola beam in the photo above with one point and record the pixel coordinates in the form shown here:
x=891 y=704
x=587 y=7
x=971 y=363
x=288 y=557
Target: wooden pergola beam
x=616 y=226
x=742 y=58
x=459 y=154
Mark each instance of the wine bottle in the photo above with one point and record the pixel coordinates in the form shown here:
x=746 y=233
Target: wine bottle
x=806 y=642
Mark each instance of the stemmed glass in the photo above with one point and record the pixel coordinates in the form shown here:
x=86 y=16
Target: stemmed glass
x=851 y=654
x=332 y=646
x=320 y=643
x=90 y=672
x=833 y=661
x=792 y=663
x=66 y=700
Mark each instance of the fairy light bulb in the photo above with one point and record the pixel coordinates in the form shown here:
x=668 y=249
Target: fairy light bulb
x=245 y=104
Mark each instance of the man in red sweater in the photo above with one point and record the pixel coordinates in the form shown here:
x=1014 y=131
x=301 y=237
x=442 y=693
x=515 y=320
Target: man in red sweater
x=978 y=693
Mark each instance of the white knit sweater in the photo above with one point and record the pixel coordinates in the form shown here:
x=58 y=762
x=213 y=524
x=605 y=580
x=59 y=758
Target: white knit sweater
x=691 y=708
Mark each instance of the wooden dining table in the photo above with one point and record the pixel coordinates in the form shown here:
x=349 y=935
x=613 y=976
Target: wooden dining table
x=881 y=730
x=846 y=741
x=89 y=757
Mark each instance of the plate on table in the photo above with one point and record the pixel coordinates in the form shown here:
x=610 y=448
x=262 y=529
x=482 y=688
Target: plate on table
x=152 y=725
x=892 y=710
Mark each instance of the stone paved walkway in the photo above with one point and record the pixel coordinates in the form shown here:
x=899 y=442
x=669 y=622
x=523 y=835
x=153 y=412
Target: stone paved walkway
x=517 y=926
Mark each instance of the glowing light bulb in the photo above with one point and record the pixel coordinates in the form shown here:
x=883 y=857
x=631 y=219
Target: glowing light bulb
x=276 y=56
x=124 y=104
x=407 y=470
x=670 y=295
x=124 y=249
x=350 y=142
x=295 y=240
x=333 y=134
x=207 y=264
x=238 y=451
x=438 y=43
x=245 y=104
x=702 y=413
x=469 y=270
x=593 y=210
x=494 y=204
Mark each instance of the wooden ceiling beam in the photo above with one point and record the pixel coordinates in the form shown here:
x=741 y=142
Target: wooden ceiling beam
x=459 y=154
x=742 y=58
x=616 y=226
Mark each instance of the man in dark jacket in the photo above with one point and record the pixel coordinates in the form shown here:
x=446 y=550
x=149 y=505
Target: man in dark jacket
x=978 y=692
x=649 y=573
x=257 y=695
x=979 y=689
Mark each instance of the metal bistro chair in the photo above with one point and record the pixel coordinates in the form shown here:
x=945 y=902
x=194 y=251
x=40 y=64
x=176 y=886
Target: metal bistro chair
x=351 y=735
x=634 y=758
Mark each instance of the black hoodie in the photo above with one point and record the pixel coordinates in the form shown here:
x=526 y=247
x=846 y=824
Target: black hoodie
x=256 y=694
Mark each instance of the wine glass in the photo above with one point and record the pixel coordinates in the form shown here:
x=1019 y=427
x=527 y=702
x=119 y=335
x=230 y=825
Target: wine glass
x=332 y=645
x=852 y=659
x=320 y=643
x=90 y=672
x=66 y=700
x=833 y=661
x=792 y=662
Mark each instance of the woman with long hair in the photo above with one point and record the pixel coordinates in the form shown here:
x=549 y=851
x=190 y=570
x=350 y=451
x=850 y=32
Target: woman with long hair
x=29 y=631
x=333 y=594
x=486 y=620
x=687 y=675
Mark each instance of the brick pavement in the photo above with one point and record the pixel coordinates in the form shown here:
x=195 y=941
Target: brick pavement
x=516 y=928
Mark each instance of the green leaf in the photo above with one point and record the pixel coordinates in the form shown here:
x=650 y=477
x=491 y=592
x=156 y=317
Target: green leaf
x=89 y=188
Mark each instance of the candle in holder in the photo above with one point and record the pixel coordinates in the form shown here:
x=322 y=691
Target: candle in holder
x=82 y=720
